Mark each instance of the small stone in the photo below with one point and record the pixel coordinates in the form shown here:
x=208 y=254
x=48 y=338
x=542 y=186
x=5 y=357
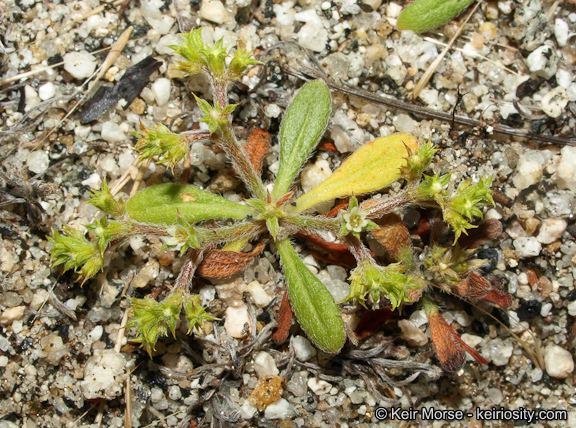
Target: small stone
x=551 y=230
x=297 y=384
x=174 y=392
x=527 y=247
x=393 y=10
x=112 y=133
x=303 y=348
x=214 y=11
x=566 y=169
x=404 y=124
x=281 y=409
x=146 y=274
x=225 y=180
x=372 y=4
x=53 y=349
x=4 y=361
x=555 y=101
x=470 y=102
x=338 y=289
x=488 y=30
x=314 y=174
x=160 y=22
x=346 y=133
x=46 y=91
x=7 y=260
x=264 y=365
x=543 y=62
x=237 y=321
x=559 y=203
x=259 y=295
x=161 y=89
x=500 y=351
x=267 y=391
x=12 y=314
x=561 y=31
x=494 y=395
x=530 y=168
x=80 y=64
x=138 y=106
x=411 y=334
x=319 y=386
x=313 y=36
x=94 y=181
x=163 y=45
x=38 y=162
x=559 y=362
x=104 y=375
x=536 y=374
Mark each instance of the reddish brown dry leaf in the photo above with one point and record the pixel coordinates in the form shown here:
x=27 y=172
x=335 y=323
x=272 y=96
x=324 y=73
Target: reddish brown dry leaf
x=325 y=145
x=340 y=206
x=257 y=146
x=284 y=320
x=330 y=252
x=372 y=321
x=450 y=349
x=475 y=287
x=222 y=263
x=392 y=234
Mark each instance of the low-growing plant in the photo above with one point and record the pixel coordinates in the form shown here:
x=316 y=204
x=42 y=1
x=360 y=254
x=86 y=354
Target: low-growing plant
x=210 y=231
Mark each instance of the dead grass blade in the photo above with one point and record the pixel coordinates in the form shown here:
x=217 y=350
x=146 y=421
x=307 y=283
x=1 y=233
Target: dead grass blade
x=434 y=65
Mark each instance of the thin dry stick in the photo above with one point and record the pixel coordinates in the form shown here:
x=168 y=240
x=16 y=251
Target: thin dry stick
x=100 y=414
x=432 y=68
x=509 y=70
x=141 y=171
x=552 y=10
x=128 y=399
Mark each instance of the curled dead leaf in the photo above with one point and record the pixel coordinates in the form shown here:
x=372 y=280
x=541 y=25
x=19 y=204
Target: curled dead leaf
x=223 y=263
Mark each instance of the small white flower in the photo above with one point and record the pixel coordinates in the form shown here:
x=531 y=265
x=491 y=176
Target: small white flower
x=355 y=220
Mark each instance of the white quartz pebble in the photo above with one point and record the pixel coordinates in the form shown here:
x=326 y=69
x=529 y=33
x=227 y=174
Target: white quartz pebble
x=80 y=64
x=559 y=362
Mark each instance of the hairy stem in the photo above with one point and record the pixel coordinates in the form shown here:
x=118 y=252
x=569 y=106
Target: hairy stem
x=311 y=224
x=241 y=163
x=184 y=280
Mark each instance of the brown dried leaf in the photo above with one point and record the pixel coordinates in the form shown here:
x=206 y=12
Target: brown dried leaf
x=392 y=235
x=222 y=263
x=450 y=348
x=284 y=320
x=257 y=146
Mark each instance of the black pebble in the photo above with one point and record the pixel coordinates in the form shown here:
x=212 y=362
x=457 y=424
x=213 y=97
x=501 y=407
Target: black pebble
x=529 y=309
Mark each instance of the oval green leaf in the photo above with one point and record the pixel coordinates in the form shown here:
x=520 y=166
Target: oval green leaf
x=161 y=204
x=372 y=167
x=424 y=15
x=304 y=123
x=314 y=307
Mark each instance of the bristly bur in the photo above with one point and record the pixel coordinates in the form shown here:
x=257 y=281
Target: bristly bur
x=209 y=231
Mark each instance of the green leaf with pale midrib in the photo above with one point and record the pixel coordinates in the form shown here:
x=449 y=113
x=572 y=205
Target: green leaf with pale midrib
x=314 y=307
x=303 y=124
x=425 y=15
x=161 y=204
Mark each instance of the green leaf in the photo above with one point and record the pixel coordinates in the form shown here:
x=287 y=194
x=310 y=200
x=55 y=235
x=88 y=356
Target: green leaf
x=372 y=167
x=424 y=15
x=313 y=305
x=161 y=204
x=303 y=124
